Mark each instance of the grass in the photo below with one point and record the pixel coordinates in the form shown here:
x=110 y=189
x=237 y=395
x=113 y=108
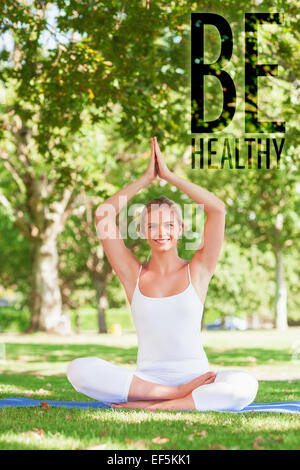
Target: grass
x=34 y=366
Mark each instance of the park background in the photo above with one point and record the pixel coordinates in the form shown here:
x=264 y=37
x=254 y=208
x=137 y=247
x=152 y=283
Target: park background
x=84 y=85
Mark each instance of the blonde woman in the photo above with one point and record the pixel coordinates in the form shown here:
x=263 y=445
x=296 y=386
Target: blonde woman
x=167 y=296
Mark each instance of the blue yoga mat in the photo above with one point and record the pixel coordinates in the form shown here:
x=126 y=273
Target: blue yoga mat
x=277 y=407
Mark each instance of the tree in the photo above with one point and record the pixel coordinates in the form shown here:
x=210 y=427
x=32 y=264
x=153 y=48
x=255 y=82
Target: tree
x=109 y=61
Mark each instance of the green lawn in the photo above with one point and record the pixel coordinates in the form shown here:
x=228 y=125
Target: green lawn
x=34 y=366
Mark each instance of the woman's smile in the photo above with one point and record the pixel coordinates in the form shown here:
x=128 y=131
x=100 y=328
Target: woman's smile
x=162 y=241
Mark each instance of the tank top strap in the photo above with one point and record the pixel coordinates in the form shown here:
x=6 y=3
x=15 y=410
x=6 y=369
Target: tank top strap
x=189 y=273
x=137 y=281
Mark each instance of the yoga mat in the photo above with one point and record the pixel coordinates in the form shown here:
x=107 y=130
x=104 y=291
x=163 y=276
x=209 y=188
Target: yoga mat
x=277 y=407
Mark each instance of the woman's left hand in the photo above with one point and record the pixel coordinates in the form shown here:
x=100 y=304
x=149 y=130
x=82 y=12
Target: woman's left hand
x=163 y=170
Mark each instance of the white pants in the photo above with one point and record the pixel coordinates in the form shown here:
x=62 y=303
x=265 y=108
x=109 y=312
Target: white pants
x=110 y=383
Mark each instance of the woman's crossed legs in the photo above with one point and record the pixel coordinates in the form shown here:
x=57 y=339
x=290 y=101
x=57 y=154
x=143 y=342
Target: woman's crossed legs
x=120 y=387
x=229 y=390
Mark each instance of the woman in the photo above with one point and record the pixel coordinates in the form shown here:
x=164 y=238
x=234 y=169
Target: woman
x=172 y=368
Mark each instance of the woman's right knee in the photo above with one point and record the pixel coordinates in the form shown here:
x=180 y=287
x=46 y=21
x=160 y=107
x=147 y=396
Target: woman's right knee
x=243 y=386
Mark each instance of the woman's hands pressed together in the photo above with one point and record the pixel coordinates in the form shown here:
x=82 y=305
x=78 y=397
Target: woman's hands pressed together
x=163 y=170
x=157 y=165
x=152 y=170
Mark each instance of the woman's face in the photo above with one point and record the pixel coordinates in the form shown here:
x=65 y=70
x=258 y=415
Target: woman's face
x=162 y=228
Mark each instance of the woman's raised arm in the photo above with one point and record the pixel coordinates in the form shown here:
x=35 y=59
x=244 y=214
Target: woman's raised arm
x=122 y=260
x=206 y=256
x=200 y=195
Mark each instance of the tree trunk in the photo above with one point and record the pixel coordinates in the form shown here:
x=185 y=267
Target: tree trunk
x=40 y=222
x=281 y=293
x=77 y=322
x=100 y=286
x=102 y=305
x=45 y=302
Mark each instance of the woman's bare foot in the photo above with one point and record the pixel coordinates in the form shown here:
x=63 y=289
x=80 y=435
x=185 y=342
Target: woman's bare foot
x=183 y=403
x=137 y=404
x=186 y=389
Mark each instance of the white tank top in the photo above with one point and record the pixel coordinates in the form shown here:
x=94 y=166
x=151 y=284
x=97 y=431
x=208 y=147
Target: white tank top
x=169 y=331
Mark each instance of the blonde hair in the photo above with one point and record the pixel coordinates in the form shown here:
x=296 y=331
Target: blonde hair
x=159 y=201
